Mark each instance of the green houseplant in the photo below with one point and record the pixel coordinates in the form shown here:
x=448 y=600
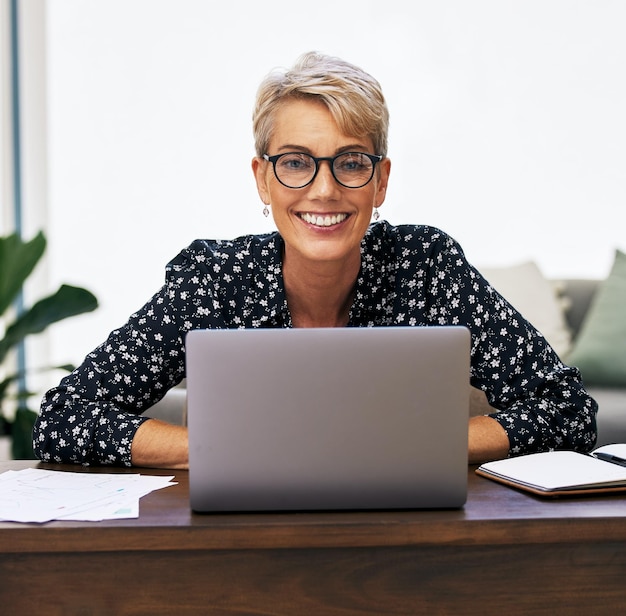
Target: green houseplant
x=17 y=261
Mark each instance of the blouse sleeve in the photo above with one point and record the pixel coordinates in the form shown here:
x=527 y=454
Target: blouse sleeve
x=542 y=403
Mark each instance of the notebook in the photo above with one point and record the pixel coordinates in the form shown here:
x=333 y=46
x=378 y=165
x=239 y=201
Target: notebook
x=327 y=419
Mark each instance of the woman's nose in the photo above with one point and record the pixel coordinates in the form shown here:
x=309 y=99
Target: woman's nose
x=324 y=184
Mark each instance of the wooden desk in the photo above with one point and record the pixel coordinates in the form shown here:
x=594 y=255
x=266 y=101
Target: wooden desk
x=504 y=553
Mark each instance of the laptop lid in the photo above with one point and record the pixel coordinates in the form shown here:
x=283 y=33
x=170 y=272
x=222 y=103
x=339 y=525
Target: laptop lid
x=341 y=418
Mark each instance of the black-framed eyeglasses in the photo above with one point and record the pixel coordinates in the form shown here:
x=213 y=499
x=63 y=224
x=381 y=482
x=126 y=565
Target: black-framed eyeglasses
x=350 y=169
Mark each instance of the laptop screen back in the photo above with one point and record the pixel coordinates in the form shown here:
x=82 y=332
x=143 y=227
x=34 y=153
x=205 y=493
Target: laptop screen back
x=342 y=418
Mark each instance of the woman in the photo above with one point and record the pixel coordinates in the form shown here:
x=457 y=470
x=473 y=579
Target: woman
x=321 y=166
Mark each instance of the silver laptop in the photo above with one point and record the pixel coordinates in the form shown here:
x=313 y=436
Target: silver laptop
x=328 y=419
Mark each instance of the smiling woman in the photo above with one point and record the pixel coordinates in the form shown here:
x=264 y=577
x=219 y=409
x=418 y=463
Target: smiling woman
x=321 y=219
x=327 y=265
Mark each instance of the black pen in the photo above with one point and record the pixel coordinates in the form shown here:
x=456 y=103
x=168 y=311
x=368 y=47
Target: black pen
x=607 y=457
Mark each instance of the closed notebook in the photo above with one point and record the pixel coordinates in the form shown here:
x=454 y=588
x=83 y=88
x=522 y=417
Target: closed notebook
x=563 y=473
x=343 y=418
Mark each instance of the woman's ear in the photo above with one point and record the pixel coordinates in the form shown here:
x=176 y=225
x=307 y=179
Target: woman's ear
x=383 y=180
x=259 y=169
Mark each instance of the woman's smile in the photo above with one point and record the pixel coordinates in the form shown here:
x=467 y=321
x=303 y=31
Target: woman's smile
x=322 y=220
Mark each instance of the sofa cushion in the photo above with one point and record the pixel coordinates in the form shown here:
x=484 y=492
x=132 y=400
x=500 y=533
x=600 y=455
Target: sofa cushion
x=526 y=288
x=611 y=416
x=577 y=295
x=600 y=349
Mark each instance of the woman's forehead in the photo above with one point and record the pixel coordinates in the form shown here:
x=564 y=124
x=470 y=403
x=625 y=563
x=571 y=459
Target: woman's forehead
x=308 y=124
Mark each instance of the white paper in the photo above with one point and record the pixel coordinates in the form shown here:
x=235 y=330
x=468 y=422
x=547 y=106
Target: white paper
x=37 y=495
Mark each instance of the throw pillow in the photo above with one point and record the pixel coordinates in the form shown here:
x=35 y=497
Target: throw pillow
x=600 y=349
x=526 y=288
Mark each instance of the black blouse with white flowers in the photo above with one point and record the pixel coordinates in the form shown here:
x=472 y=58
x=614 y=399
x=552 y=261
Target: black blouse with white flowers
x=410 y=275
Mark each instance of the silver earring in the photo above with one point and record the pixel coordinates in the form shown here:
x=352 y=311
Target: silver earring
x=376 y=214
x=266 y=211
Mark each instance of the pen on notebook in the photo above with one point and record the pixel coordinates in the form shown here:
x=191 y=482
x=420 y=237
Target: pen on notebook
x=607 y=457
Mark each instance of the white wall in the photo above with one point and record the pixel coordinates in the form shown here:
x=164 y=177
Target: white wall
x=508 y=129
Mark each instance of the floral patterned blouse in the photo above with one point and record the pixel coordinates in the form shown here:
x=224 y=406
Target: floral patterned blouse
x=410 y=275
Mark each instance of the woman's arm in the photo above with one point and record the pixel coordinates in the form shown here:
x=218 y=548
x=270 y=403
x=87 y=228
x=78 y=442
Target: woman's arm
x=487 y=440
x=539 y=402
x=158 y=444
x=93 y=415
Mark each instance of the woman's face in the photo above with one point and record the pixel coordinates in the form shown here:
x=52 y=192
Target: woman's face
x=323 y=221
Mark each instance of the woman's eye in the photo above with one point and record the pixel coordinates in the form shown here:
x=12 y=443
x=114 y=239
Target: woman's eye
x=295 y=162
x=352 y=163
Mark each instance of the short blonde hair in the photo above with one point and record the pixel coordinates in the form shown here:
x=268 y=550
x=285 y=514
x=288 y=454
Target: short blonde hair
x=353 y=97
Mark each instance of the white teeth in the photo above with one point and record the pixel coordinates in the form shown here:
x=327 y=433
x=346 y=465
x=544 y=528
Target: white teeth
x=323 y=221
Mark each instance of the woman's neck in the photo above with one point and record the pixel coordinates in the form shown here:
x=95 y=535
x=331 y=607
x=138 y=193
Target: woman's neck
x=320 y=294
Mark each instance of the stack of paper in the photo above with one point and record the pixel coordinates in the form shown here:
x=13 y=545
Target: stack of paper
x=36 y=495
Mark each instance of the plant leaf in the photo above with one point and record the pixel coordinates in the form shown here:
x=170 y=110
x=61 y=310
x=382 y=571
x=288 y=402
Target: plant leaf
x=68 y=301
x=17 y=261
